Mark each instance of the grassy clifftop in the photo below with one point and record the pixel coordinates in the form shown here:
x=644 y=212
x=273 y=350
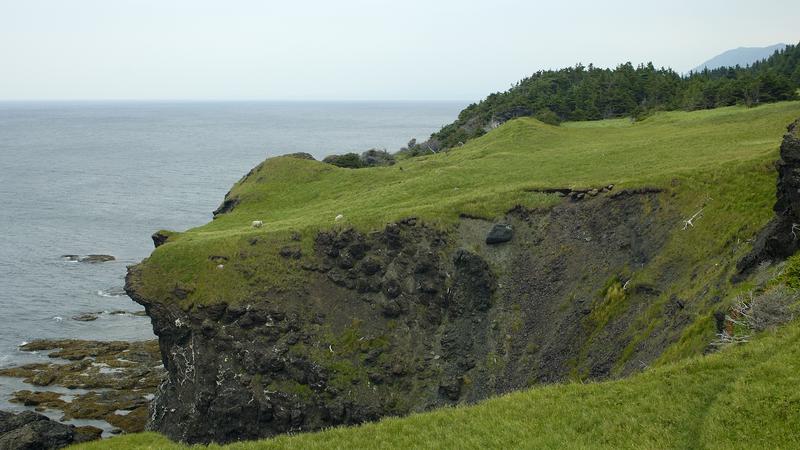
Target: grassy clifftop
x=716 y=166
x=723 y=155
x=488 y=176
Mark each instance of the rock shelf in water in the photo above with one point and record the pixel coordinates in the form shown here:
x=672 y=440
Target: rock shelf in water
x=120 y=377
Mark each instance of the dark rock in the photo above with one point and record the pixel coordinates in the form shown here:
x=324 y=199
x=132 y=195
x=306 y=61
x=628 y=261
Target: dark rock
x=86 y=317
x=181 y=293
x=290 y=252
x=500 y=233
x=227 y=206
x=29 y=430
x=370 y=266
x=781 y=237
x=160 y=238
x=300 y=155
x=96 y=258
x=451 y=388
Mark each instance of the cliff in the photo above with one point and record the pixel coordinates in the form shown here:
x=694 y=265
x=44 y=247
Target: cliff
x=532 y=255
x=780 y=239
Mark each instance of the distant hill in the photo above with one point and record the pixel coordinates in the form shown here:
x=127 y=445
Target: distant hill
x=742 y=56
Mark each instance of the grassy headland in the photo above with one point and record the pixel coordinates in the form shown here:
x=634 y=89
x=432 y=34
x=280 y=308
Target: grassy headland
x=718 y=161
x=723 y=155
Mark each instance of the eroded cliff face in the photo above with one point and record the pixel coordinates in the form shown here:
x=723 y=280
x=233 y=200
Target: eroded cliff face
x=781 y=238
x=412 y=317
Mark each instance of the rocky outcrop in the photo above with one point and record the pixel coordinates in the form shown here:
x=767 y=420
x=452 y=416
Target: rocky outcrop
x=781 y=237
x=501 y=232
x=301 y=155
x=89 y=258
x=116 y=380
x=29 y=431
x=404 y=319
x=160 y=238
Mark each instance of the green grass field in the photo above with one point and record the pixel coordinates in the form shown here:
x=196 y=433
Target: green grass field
x=720 y=160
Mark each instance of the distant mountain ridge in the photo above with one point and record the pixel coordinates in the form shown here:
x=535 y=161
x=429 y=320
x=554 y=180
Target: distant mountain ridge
x=742 y=56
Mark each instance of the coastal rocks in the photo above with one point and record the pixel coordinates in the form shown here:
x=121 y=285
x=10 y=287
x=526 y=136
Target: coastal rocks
x=114 y=381
x=781 y=237
x=97 y=258
x=92 y=316
x=86 y=317
x=501 y=232
x=29 y=430
x=89 y=258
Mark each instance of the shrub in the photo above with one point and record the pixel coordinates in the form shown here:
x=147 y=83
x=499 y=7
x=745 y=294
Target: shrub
x=754 y=312
x=348 y=160
x=370 y=158
x=772 y=308
x=548 y=116
x=374 y=157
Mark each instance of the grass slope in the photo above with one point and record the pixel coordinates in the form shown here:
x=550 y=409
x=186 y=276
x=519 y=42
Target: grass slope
x=744 y=397
x=720 y=160
x=723 y=154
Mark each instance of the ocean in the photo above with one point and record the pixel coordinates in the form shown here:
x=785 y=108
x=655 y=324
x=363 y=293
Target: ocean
x=100 y=177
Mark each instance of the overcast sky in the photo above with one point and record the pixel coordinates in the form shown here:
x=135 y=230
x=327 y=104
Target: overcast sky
x=352 y=49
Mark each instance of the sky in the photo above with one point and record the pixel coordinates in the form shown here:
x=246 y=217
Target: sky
x=353 y=49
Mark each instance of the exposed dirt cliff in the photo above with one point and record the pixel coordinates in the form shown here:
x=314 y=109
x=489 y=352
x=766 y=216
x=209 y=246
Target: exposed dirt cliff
x=412 y=317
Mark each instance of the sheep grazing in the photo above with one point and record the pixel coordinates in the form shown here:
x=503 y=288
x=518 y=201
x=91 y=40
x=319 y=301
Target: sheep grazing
x=338 y=218
x=257 y=224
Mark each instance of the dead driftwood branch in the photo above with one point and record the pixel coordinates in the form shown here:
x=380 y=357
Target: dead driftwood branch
x=690 y=221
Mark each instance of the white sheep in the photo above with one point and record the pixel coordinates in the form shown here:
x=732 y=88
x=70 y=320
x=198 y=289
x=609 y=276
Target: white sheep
x=257 y=224
x=338 y=218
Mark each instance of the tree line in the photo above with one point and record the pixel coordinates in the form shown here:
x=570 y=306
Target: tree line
x=592 y=93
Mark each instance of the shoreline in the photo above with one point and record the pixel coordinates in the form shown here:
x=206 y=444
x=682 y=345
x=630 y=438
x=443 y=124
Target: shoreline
x=104 y=384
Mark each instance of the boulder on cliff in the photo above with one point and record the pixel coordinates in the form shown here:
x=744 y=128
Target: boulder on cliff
x=500 y=232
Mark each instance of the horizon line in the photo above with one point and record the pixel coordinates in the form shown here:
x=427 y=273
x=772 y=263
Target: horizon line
x=220 y=100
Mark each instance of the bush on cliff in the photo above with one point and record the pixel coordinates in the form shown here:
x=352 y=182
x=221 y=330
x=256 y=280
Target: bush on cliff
x=370 y=158
x=348 y=160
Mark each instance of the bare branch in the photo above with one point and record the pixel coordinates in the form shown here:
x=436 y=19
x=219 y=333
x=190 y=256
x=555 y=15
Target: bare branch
x=690 y=221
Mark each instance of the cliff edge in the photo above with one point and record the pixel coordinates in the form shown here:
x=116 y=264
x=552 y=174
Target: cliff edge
x=534 y=254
